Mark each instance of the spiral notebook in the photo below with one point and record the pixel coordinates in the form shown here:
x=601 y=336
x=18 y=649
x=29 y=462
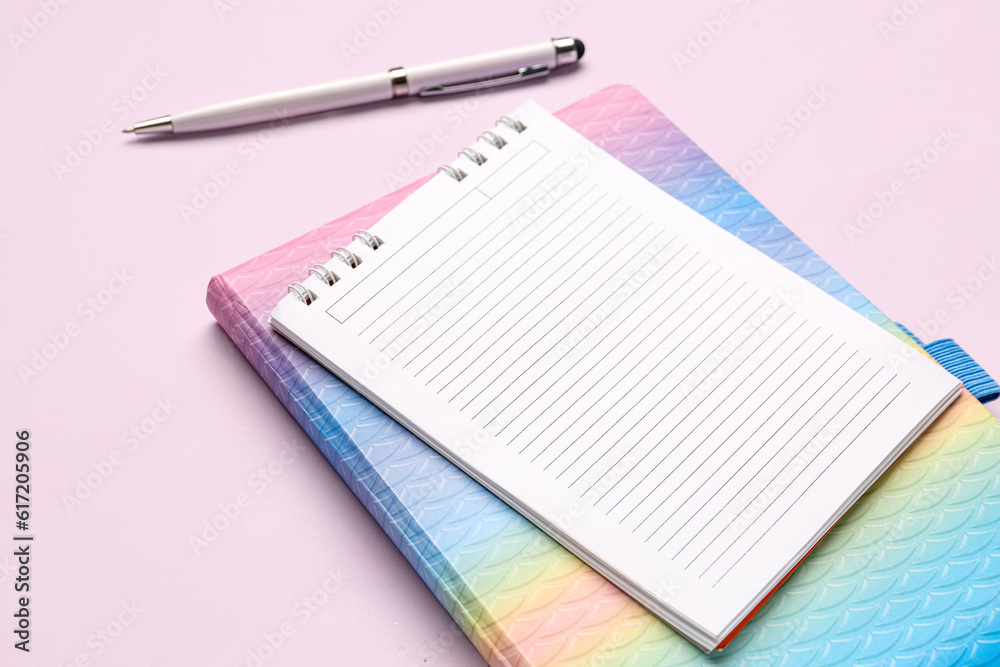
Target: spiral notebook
x=680 y=411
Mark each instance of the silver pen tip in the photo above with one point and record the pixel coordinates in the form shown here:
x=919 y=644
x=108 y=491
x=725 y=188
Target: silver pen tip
x=161 y=124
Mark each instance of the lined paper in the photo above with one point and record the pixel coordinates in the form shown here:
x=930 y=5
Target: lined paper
x=666 y=401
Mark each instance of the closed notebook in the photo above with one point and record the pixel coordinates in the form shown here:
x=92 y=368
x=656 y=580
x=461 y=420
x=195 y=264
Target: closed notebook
x=680 y=411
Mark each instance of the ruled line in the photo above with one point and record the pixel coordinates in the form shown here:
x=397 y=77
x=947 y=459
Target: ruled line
x=663 y=398
x=520 y=248
x=792 y=504
x=626 y=393
x=733 y=496
x=609 y=263
x=857 y=393
x=771 y=393
x=744 y=380
x=471 y=256
x=786 y=402
x=507 y=165
x=756 y=472
x=554 y=345
x=412 y=239
x=539 y=284
x=497 y=283
x=588 y=333
x=710 y=414
x=651 y=312
x=657 y=384
x=594 y=385
x=640 y=360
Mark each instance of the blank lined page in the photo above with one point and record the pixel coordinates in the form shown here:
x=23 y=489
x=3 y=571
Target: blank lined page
x=682 y=412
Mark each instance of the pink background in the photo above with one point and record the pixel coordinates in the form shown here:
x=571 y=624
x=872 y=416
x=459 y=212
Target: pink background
x=68 y=224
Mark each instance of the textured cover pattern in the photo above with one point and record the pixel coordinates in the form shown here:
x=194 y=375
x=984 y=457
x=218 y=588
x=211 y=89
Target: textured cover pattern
x=910 y=576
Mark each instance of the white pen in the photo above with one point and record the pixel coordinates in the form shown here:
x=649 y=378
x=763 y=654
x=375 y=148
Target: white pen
x=451 y=76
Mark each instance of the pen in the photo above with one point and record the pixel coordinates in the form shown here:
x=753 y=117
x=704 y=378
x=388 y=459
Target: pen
x=451 y=76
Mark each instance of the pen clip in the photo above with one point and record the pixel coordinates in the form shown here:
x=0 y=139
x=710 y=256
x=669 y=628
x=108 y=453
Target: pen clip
x=522 y=74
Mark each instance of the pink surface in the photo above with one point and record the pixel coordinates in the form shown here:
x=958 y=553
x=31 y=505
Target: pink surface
x=107 y=260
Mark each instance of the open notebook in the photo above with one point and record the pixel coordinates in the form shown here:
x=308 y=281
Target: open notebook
x=677 y=409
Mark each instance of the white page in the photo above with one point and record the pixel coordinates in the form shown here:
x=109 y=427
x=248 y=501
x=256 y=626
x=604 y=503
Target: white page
x=681 y=411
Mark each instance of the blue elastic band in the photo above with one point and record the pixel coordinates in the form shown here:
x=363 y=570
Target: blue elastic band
x=957 y=361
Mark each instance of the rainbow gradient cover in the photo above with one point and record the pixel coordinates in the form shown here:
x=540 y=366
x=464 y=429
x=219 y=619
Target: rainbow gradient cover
x=909 y=576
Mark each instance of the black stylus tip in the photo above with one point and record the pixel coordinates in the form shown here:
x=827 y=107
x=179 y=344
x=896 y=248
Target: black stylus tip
x=579 y=48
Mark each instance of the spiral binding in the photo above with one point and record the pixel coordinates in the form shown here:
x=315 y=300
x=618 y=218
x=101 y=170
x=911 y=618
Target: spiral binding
x=353 y=261
x=304 y=294
x=368 y=239
x=492 y=138
x=515 y=125
x=457 y=174
x=324 y=274
x=347 y=257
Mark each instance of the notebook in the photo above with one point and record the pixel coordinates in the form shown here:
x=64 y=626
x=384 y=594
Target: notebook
x=678 y=410
x=907 y=575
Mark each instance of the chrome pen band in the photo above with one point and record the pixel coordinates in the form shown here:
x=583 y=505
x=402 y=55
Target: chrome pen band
x=567 y=51
x=400 y=86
